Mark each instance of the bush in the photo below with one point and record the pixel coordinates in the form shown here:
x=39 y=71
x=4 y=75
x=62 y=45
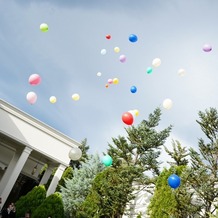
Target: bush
x=30 y=201
x=51 y=206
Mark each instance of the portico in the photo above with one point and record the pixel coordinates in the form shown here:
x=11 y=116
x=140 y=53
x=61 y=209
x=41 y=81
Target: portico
x=26 y=145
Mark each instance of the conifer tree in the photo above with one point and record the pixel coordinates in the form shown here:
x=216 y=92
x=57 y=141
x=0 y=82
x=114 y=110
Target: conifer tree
x=203 y=174
x=77 y=188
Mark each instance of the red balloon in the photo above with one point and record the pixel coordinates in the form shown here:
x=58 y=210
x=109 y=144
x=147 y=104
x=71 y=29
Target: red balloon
x=127 y=118
x=108 y=36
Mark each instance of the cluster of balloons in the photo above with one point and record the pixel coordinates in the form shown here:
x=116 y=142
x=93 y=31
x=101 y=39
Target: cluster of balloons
x=174 y=181
x=107 y=160
x=34 y=80
x=129 y=116
x=167 y=103
x=75 y=153
x=155 y=63
x=112 y=81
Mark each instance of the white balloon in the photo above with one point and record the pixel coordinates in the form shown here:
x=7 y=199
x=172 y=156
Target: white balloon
x=103 y=51
x=99 y=74
x=133 y=113
x=167 y=103
x=75 y=153
x=31 y=97
x=156 y=62
x=181 y=72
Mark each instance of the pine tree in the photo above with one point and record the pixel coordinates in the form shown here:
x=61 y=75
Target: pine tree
x=178 y=154
x=203 y=175
x=77 y=188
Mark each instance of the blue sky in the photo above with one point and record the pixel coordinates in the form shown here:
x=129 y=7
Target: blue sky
x=68 y=57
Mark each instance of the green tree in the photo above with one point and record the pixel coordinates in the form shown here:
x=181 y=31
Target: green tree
x=77 y=188
x=107 y=197
x=51 y=206
x=178 y=154
x=31 y=200
x=67 y=174
x=203 y=176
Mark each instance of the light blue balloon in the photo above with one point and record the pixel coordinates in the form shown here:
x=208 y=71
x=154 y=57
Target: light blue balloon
x=107 y=160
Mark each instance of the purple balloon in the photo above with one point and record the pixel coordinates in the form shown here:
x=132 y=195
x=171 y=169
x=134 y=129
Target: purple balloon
x=207 y=48
x=122 y=58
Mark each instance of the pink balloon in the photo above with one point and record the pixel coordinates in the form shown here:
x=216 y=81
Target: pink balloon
x=31 y=97
x=110 y=81
x=122 y=58
x=34 y=79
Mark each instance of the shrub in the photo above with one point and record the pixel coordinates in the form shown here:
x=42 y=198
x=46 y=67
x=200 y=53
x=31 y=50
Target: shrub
x=51 y=206
x=31 y=200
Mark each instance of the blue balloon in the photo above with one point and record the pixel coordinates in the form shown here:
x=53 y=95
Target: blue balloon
x=174 y=181
x=133 y=38
x=133 y=89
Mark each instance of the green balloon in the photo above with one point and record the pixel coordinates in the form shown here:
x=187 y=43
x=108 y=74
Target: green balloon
x=44 y=27
x=149 y=70
x=107 y=160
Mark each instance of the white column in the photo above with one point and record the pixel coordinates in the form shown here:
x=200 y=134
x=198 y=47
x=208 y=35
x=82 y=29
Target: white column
x=13 y=170
x=56 y=178
x=46 y=176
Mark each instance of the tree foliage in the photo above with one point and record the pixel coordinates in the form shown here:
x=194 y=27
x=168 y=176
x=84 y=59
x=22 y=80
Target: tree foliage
x=203 y=174
x=30 y=201
x=51 y=206
x=77 y=188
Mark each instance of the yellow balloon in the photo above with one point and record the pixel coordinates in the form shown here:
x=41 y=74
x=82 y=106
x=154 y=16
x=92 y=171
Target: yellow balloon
x=117 y=49
x=52 y=99
x=115 y=81
x=75 y=97
x=136 y=112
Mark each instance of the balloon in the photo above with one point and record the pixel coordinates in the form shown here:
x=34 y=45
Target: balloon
x=133 y=89
x=75 y=153
x=167 y=103
x=133 y=38
x=122 y=58
x=103 y=51
x=127 y=118
x=52 y=99
x=181 y=72
x=44 y=27
x=75 y=97
x=136 y=112
x=98 y=73
x=31 y=97
x=34 y=79
x=207 y=48
x=110 y=81
x=108 y=36
x=107 y=160
x=106 y=85
x=149 y=70
x=117 y=49
x=174 y=181
x=115 y=81
x=133 y=113
x=156 y=62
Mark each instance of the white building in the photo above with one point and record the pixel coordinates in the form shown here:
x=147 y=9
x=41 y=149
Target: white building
x=26 y=144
